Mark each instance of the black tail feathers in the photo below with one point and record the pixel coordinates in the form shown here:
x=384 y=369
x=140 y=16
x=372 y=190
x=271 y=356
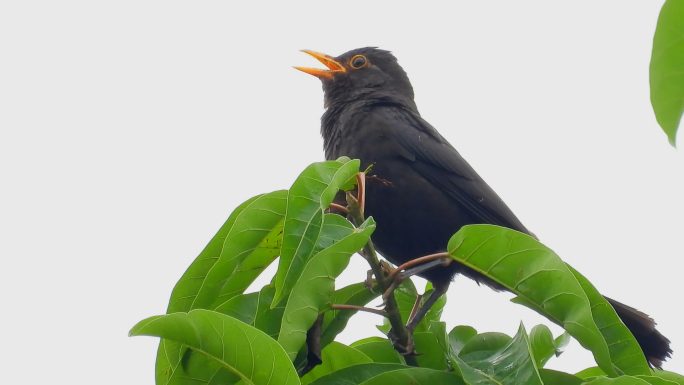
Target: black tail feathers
x=655 y=346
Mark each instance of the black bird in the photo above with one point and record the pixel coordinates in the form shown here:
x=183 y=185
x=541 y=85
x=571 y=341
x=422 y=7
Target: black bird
x=371 y=115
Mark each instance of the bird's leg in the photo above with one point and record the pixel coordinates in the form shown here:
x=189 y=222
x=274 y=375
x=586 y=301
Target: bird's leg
x=439 y=290
x=369 y=279
x=397 y=276
x=416 y=305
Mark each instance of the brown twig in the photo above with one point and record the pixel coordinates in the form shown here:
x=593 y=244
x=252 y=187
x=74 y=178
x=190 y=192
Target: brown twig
x=359 y=308
x=361 y=191
x=339 y=207
x=418 y=261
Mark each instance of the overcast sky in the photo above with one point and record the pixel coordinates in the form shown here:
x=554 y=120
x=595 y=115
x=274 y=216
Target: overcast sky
x=129 y=130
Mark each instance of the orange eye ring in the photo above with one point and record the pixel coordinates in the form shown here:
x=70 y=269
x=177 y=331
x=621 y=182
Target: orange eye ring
x=358 y=61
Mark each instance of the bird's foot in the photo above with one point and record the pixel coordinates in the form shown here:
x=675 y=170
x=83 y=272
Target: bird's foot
x=369 y=280
x=376 y=179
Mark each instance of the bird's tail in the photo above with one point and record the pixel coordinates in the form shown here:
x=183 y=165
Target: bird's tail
x=655 y=346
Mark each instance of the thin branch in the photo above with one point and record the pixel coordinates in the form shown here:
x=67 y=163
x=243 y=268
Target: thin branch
x=361 y=195
x=339 y=207
x=418 y=261
x=359 y=308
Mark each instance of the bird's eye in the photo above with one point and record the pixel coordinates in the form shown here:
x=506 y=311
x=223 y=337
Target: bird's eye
x=358 y=61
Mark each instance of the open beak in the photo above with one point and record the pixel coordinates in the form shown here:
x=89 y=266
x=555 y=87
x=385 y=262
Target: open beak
x=333 y=66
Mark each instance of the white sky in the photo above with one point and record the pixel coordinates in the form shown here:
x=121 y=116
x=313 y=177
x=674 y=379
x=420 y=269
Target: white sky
x=131 y=129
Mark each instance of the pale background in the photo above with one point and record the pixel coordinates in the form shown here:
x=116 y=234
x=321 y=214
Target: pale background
x=131 y=129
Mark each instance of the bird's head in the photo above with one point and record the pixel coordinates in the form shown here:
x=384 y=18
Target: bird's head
x=359 y=73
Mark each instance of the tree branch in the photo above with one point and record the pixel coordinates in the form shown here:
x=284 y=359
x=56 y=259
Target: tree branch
x=391 y=308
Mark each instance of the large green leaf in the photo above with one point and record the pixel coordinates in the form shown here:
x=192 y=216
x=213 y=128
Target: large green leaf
x=249 y=235
x=334 y=357
x=667 y=68
x=253 y=309
x=541 y=280
x=263 y=211
x=258 y=260
x=624 y=349
x=357 y=374
x=311 y=293
x=379 y=350
x=309 y=196
x=512 y=364
x=241 y=349
x=335 y=321
x=415 y=376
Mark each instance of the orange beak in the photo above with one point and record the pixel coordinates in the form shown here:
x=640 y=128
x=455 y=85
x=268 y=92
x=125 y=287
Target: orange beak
x=333 y=66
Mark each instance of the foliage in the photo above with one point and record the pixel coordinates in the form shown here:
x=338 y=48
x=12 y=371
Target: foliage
x=667 y=68
x=284 y=333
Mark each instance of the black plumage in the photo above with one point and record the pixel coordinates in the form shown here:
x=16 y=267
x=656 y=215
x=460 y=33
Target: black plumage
x=371 y=115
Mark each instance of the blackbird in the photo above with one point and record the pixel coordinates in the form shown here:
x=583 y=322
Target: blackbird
x=429 y=191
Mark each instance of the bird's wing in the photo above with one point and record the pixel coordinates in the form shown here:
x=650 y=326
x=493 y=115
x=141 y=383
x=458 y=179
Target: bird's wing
x=438 y=162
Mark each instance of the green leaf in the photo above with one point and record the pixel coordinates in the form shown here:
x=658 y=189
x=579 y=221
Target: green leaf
x=310 y=194
x=512 y=364
x=268 y=319
x=242 y=307
x=311 y=293
x=590 y=373
x=379 y=350
x=415 y=376
x=483 y=345
x=335 y=321
x=468 y=374
x=334 y=357
x=552 y=377
x=654 y=380
x=250 y=234
x=357 y=374
x=622 y=380
x=459 y=336
x=543 y=344
x=535 y=273
x=257 y=261
x=673 y=377
x=335 y=227
x=431 y=354
x=260 y=211
x=625 y=351
x=243 y=350
x=667 y=68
